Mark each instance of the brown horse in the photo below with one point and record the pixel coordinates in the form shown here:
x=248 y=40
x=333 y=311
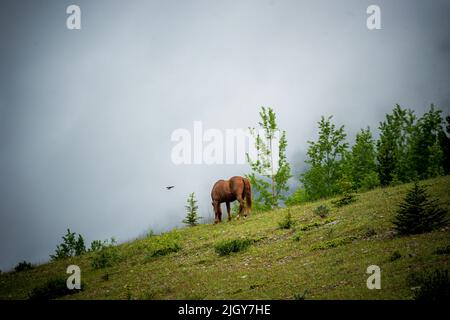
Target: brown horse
x=237 y=188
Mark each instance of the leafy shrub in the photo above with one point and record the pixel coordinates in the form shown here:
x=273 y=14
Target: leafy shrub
x=106 y=255
x=345 y=199
x=443 y=250
x=395 y=256
x=419 y=214
x=332 y=243
x=71 y=246
x=322 y=211
x=315 y=224
x=104 y=258
x=52 y=289
x=96 y=245
x=235 y=245
x=297 y=237
x=287 y=222
x=22 y=266
x=162 y=245
x=431 y=285
x=165 y=250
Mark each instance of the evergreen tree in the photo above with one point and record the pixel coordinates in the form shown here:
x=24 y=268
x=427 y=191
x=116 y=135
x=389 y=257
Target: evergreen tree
x=347 y=190
x=269 y=177
x=326 y=160
x=362 y=158
x=426 y=153
x=386 y=157
x=444 y=141
x=419 y=214
x=393 y=147
x=192 y=217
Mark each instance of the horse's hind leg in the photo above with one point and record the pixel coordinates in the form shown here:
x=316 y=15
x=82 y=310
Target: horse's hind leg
x=216 y=218
x=245 y=209
x=229 y=211
x=217 y=212
x=241 y=207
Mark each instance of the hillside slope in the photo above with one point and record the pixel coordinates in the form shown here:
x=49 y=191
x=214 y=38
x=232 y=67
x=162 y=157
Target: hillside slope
x=275 y=266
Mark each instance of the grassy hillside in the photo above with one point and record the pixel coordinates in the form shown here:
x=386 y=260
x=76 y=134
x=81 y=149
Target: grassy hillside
x=274 y=266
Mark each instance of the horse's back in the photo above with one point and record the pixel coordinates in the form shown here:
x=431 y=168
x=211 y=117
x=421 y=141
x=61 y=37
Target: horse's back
x=228 y=190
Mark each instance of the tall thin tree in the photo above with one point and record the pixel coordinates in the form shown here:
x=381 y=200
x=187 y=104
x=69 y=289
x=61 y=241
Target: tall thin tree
x=393 y=147
x=269 y=176
x=326 y=161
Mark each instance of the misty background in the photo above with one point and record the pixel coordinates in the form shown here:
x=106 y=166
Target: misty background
x=86 y=115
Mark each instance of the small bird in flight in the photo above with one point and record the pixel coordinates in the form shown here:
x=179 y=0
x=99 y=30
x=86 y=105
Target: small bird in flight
x=170 y=187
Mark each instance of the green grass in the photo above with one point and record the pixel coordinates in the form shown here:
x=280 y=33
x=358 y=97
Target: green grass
x=332 y=243
x=443 y=250
x=274 y=266
x=227 y=247
x=52 y=289
x=162 y=245
x=314 y=224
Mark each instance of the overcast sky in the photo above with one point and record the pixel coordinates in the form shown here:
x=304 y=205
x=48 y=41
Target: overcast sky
x=86 y=115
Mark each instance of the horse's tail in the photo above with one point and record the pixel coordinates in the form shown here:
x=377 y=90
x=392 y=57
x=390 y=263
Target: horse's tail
x=248 y=193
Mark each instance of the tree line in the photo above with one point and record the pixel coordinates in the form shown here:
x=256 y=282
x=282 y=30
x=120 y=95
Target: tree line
x=409 y=148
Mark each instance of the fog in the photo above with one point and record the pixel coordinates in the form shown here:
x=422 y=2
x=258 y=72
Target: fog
x=86 y=116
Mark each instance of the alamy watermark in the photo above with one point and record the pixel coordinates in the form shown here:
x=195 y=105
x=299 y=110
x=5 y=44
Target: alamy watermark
x=218 y=146
x=374 y=280
x=74 y=280
x=73 y=21
x=373 y=21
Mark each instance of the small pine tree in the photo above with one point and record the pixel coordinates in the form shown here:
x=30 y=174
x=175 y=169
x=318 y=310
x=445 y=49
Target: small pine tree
x=287 y=222
x=191 y=211
x=347 y=196
x=418 y=213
